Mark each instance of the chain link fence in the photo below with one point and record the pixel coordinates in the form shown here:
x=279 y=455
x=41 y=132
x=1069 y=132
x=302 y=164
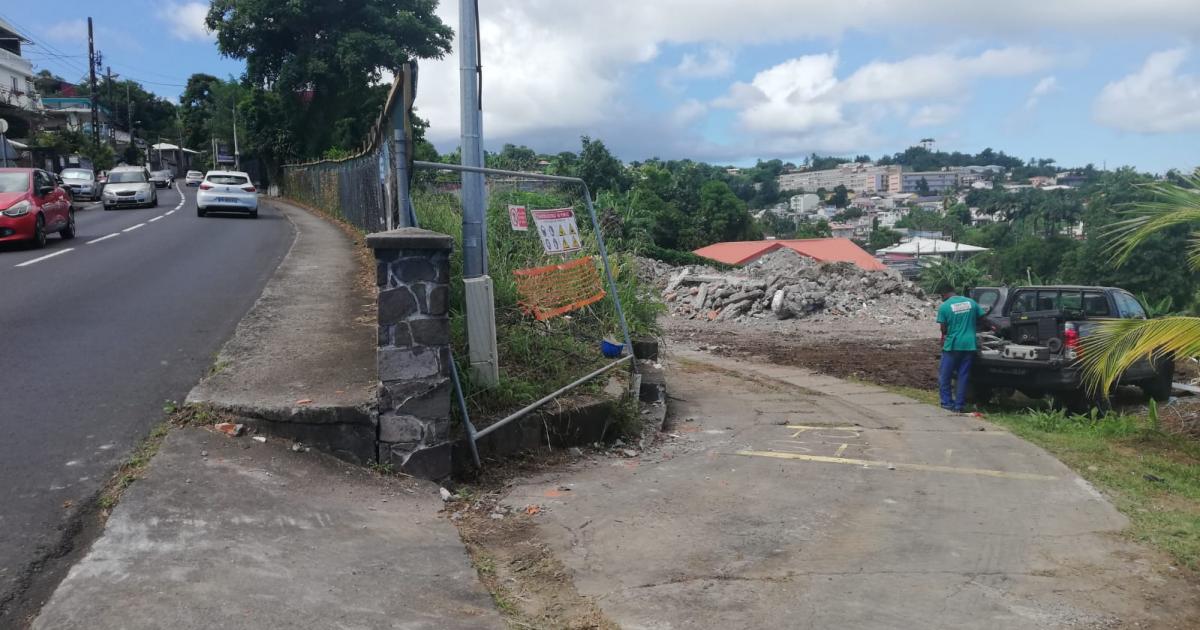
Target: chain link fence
x=354 y=189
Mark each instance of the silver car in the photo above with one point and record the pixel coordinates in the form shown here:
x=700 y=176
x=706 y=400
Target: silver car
x=161 y=178
x=193 y=178
x=81 y=182
x=129 y=186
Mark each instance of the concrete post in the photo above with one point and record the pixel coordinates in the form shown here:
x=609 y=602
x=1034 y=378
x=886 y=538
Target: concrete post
x=413 y=354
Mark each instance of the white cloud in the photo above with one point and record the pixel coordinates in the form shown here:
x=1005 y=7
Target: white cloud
x=1155 y=99
x=186 y=20
x=934 y=115
x=689 y=112
x=563 y=69
x=73 y=31
x=717 y=62
x=1042 y=88
x=788 y=98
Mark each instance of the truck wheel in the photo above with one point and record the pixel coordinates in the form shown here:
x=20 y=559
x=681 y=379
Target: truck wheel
x=1081 y=402
x=980 y=394
x=1160 y=387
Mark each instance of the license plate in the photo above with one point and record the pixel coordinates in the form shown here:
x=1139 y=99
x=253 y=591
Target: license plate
x=227 y=199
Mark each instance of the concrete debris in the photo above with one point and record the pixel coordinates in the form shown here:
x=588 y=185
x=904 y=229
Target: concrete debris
x=445 y=494
x=260 y=439
x=629 y=452
x=785 y=285
x=575 y=451
x=230 y=429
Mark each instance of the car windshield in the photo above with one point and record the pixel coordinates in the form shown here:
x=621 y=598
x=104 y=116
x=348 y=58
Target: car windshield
x=14 y=182
x=76 y=173
x=228 y=180
x=195 y=174
x=126 y=177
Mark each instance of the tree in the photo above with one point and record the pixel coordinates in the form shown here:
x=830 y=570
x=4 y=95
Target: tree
x=722 y=216
x=881 y=237
x=325 y=60
x=922 y=187
x=841 y=197
x=599 y=169
x=1118 y=344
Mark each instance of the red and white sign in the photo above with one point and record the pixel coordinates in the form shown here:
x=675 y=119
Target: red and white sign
x=518 y=218
x=558 y=231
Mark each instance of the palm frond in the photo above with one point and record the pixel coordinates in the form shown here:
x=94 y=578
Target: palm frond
x=1172 y=205
x=1115 y=346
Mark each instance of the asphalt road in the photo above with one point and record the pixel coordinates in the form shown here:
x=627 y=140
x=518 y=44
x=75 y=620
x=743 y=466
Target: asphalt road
x=96 y=334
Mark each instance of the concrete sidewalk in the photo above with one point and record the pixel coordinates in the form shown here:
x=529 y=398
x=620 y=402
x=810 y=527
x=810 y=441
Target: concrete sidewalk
x=787 y=499
x=230 y=533
x=310 y=337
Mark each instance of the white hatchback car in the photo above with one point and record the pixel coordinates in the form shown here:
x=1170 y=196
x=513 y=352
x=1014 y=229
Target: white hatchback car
x=226 y=191
x=193 y=178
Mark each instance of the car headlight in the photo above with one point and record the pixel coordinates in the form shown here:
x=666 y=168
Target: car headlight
x=109 y=193
x=21 y=208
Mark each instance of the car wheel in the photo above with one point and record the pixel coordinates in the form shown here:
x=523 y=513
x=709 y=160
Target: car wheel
x=1081 y=402
x=68 y=232
x=39 y=233
x=254 y=214
x=154 y=201
x=1159 y=388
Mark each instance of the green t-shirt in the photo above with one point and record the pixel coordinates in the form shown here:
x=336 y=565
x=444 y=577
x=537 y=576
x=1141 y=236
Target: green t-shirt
x=959 y=314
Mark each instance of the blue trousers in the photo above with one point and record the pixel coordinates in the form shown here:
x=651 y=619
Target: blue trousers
x=955 y=364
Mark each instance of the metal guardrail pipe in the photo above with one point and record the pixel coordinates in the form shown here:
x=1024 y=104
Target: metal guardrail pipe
x=534 y=405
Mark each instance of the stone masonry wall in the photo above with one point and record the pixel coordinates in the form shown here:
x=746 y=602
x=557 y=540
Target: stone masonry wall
x=413 y=354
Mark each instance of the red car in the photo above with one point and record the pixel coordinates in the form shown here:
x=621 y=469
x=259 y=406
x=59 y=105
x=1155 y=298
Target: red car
x=32 y=205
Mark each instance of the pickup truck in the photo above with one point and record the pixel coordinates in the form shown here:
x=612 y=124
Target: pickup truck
x=1029 y=342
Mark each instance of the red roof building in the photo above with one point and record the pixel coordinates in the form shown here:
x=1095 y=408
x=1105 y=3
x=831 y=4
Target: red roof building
x=819 y=249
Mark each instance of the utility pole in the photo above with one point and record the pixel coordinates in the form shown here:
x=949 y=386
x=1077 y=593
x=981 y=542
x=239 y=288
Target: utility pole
x=92 y=82
x=481 y=307
x=237 y=156
x=128 y=113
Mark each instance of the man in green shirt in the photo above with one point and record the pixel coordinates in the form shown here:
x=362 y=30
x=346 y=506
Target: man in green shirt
x=958 y=317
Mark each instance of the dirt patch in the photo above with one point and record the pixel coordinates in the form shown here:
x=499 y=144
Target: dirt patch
x=529 y=585
x=895 y=363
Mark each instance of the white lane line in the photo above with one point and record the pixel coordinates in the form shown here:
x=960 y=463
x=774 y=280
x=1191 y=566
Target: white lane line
x=102 y=238
x=133 y=227
x=156 y=218
x=61 y=251
x=170 y=212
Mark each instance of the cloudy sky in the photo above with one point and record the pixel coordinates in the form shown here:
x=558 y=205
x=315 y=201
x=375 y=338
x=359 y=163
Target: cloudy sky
x=1102 y=81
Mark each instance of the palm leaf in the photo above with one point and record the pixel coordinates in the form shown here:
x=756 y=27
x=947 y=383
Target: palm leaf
x=1173 y=205
x=1116 y=345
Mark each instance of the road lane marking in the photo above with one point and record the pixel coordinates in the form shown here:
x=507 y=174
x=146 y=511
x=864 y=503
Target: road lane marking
x=170 y=212
x=901 y=466
x=61 y=251
x=841 y=449
x=133 y=227
x=801 y=429
x=156 y=218
x=102 y=238
x=949 y=452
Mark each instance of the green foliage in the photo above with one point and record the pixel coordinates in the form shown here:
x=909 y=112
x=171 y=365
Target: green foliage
x=599 y=169
x=535 y=357
x=943 y=274
x=325 y=60
x=881 y=238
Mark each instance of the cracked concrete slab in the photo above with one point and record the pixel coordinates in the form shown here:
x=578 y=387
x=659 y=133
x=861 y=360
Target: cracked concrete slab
x=968 y=529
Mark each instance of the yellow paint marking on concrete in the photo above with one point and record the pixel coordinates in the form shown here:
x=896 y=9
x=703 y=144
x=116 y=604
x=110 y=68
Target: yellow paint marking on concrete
x=900 y=466
x=858 y=430
x=841 y=449
x=948 y=452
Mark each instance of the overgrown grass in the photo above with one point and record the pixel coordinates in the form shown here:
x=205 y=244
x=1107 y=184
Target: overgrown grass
x=1151 y=476
x=536 y=358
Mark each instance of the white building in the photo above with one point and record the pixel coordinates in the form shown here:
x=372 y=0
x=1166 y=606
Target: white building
x=806 y=203
x=18 y=95
x=910 y=181
x=856 y=176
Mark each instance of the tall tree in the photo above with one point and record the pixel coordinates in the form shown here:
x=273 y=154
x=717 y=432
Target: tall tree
x=323 y=58
x=599 y=168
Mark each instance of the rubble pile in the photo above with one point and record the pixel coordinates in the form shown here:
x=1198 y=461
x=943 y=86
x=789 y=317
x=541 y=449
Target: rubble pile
x=787 y=285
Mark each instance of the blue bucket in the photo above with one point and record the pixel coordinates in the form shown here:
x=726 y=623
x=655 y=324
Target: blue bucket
x=610 y=348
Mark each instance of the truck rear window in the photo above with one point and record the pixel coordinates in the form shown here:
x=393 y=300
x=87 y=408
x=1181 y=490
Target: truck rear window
x=1089 y=303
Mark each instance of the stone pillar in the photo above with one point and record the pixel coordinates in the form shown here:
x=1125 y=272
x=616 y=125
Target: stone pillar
x=413 y=275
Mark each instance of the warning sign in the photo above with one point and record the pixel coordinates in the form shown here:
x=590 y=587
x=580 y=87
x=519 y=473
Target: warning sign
x=557 y=230
x=518 y=219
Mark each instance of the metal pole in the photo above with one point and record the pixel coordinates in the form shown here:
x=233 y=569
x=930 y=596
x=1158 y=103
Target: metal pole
x=477 y=285
x=551 y=396
x=462 y=406
x=474 y=229
x=92 y=83
x=237 y=156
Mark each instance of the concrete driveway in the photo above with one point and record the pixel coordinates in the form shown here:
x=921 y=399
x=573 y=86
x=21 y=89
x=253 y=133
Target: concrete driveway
x=793 y=500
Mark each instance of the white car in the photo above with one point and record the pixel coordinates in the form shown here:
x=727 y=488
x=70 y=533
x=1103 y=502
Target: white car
x=226 y=191
x=193 y=178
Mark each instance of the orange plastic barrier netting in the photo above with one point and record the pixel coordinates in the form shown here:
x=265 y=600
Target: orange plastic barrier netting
x=556 y=289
